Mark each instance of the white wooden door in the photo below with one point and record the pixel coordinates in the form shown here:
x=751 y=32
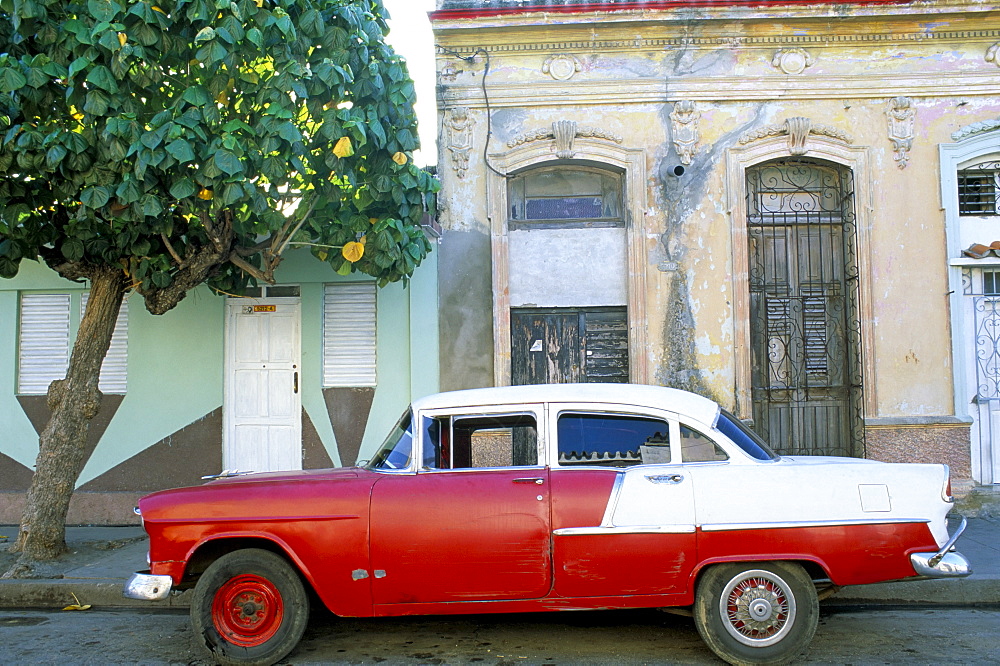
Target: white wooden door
x=263 y=406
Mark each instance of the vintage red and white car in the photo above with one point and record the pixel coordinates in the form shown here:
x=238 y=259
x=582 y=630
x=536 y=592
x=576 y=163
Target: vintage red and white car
x=543 y=498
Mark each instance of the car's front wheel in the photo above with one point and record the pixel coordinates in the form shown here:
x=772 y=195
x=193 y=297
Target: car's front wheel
x=756 y=613
x=249 y=607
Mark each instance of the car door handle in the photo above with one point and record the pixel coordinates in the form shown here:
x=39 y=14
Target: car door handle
x=665 y=478
x=530 y=480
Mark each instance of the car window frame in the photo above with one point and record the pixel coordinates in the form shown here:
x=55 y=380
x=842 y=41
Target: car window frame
x=555 y=409
x=535 y=409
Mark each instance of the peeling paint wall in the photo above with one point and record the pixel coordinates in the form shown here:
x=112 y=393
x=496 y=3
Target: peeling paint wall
x=744 y=72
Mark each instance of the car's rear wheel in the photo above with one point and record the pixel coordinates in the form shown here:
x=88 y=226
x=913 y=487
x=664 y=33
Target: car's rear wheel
x=249 y=607
x=756 y=613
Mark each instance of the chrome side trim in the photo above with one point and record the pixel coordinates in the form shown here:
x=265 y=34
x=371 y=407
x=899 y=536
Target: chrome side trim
x=626 y=529
x=147 y=587
x=616 y=491
x=723 y=527
x=938 y=565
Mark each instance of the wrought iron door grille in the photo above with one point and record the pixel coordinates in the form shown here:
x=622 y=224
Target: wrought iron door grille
x=805 y=328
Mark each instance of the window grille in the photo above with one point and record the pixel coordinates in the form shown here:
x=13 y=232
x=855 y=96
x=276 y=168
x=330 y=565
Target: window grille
x=979 y=190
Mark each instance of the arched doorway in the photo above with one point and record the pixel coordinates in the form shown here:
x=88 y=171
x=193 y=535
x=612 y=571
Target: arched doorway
x=805 y=333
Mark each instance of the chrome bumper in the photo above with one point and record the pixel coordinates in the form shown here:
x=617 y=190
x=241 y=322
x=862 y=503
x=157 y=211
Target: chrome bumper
x=945 y=562
x=147 y=587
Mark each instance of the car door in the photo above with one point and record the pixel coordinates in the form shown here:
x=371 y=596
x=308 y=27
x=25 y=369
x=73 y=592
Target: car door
x=623 y=517
x=472 y=522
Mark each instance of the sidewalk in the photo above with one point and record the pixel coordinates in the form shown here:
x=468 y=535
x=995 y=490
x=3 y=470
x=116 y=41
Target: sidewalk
x=102 y=558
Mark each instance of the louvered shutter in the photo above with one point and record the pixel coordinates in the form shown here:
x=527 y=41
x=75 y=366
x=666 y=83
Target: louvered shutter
x=114 y=369
x=349 y=335
x=43 y=353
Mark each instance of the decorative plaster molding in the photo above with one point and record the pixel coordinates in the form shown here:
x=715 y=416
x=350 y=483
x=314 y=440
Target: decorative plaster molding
x=448 y=73
x=561 y=67
x=900 y=113
x=563 y=132
x=684 y=130
x=459 y=123
x=991 y=54
x=792 y=61
x=798 y=131
x=975 y=128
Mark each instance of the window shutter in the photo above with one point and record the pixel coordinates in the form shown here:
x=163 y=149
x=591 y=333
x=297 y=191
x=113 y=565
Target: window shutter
x=43 y=354
x=349 y=335
x=114 y=369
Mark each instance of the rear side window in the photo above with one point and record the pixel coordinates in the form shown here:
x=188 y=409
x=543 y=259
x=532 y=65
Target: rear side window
x=743 y=437
x=612 y=440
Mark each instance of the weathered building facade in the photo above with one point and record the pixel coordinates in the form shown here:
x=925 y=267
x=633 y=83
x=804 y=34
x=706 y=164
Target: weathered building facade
x=765 y=203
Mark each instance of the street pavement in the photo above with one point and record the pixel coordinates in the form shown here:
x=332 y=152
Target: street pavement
x=102 y=558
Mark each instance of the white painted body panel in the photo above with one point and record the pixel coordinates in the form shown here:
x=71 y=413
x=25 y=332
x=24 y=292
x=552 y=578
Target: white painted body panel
x=791 y=492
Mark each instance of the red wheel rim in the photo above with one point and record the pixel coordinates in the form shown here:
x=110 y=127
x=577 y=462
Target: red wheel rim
x=247 y=610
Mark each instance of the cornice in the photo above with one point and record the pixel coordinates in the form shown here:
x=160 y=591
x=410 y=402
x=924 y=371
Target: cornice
x=721 y=89
x=707 y=12
x=722 y=41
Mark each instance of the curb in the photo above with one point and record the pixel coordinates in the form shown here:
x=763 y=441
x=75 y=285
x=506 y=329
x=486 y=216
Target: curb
x=57 y=594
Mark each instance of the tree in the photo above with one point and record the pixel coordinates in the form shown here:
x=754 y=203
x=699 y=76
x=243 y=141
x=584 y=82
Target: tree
x=156 y=146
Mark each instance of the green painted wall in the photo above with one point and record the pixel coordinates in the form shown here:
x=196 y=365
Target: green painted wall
x=176 y=360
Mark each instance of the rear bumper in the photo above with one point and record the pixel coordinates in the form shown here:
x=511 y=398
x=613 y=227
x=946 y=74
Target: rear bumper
x=945 y=562
x=148 y=587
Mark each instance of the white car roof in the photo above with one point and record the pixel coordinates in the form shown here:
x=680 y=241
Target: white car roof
x=636 y=395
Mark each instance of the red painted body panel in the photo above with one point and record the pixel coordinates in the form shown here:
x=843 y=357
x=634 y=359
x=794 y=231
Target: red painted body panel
x=447 y=535
x=623 y=564
x=319 y=519
x=580 y=496
x=850 y=554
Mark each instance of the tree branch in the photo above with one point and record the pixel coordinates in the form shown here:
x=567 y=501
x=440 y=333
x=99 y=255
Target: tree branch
x=172 y=251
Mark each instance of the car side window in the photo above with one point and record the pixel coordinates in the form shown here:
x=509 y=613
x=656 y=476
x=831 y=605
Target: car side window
x=615 y=440
x=479 y=441
x=696 y=447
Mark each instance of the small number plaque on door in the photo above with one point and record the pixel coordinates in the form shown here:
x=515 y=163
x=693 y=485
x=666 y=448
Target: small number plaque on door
x=265 y=308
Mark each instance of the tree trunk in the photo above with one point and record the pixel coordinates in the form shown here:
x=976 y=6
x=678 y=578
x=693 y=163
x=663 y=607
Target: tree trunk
x=73 y=402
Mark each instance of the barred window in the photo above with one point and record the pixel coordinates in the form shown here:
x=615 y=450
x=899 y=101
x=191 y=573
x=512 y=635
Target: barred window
x=978 y=190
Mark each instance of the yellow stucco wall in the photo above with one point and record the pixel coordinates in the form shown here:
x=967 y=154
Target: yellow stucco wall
x=626 y=72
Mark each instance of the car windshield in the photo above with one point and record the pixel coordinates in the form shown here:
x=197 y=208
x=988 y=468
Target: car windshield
x=744 y=437
x=397 y=449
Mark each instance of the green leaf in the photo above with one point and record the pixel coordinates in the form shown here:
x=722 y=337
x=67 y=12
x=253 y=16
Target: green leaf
x=101 y=77
x=205 y=34
x=255 y=36
x=103 y=10
x=181 y=151
x=11 y=80
x=228 y=163
x=151 y=206
x=72 y=249
x=182 y=189
x=231 y=193
x=95 y=197
x=79 y=65
x=129 y=191
x=196 y=95
x=54 y=155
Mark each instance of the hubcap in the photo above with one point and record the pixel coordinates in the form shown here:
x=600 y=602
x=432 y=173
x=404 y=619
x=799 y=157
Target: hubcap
x=247 y=610
x=757 y=608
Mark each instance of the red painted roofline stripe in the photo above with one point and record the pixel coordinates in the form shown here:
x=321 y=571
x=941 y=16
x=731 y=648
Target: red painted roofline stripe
x=485 y=12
